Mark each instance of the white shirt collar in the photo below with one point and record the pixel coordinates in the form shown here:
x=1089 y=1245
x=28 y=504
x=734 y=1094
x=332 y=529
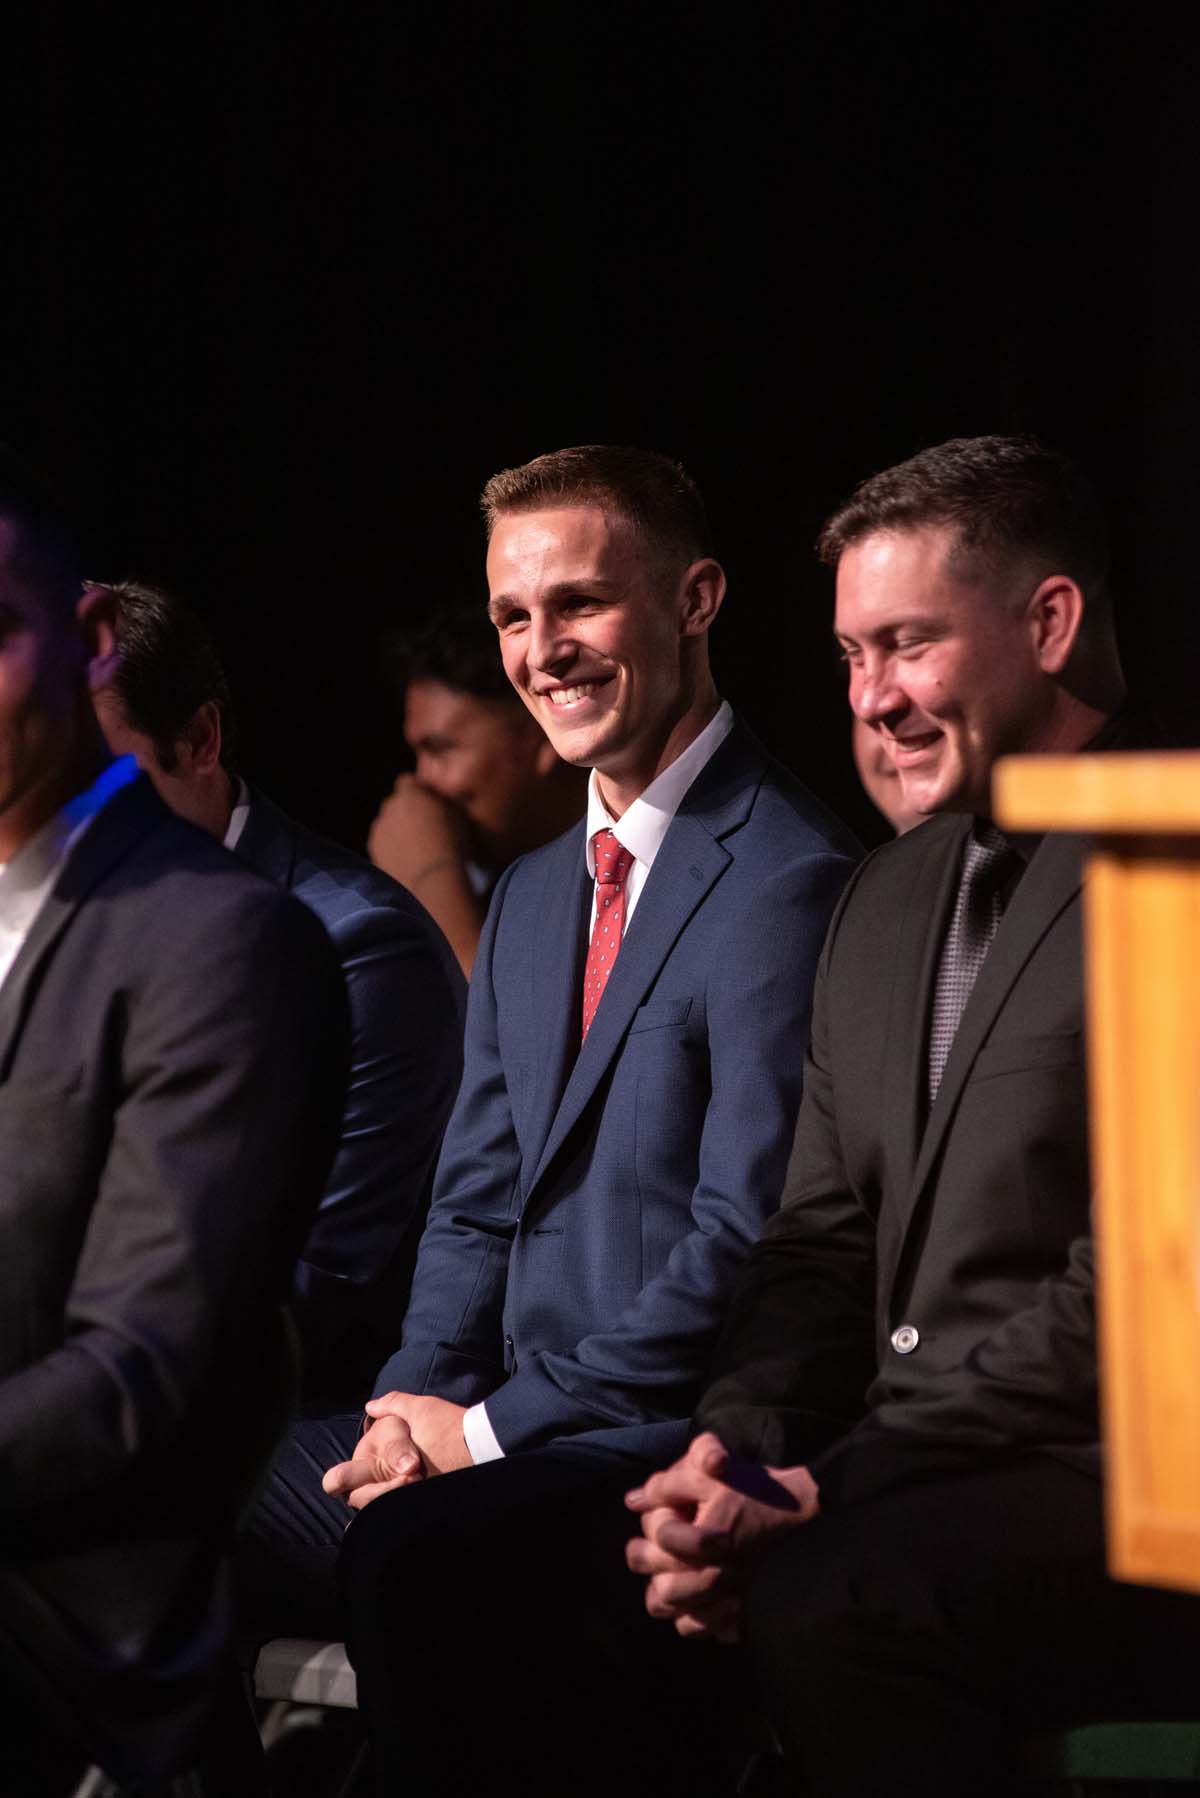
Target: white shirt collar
x=238 y=816
x=26 y=880
x=642 y=827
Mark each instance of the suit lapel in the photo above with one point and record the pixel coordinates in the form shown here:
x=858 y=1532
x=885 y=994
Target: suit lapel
x=112 y=833
x=683 y=873
x=685 y=869
x=930 y=897
x=1050 y=883
x=557 y=946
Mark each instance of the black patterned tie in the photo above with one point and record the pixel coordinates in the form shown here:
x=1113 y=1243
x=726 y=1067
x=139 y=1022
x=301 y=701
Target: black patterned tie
x=987 y=863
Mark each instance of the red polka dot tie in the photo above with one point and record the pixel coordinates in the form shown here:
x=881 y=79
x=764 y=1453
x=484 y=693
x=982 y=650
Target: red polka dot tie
x=613 y=863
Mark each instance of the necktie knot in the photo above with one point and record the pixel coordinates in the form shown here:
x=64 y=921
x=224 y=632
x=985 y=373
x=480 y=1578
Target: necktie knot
x=988 y=860
x=986 y=848
x=613 y=860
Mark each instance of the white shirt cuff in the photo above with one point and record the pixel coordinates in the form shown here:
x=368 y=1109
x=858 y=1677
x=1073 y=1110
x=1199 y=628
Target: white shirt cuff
x=480 y=1436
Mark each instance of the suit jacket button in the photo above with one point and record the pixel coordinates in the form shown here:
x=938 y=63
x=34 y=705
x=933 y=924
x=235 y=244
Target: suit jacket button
x=905 y=1338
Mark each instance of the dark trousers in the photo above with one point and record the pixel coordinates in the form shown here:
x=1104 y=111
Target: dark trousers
x=287 y=1559
x=906 y=1644
x=37 y=1759
x=501 y=1644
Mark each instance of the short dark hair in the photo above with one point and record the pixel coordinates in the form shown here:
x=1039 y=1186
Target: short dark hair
x=455 y=646
x=1001 y=496
x=167 y=669
x=45 y=552
x=650 y=491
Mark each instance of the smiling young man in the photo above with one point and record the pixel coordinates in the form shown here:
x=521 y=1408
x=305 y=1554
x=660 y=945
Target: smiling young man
x=915 y=1554
x=635 y=1039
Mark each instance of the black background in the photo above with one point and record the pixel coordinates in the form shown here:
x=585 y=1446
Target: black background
x=285 y=284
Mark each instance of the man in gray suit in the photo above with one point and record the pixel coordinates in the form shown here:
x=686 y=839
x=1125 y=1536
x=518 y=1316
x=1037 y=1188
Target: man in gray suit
x=172 y=1065
x=909 y=1368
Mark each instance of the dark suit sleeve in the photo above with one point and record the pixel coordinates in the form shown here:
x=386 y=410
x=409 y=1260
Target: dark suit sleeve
x=228 y=1064
x=797 y=1352
x=405 y=1062
x=452 y=1331
x=650 y=1363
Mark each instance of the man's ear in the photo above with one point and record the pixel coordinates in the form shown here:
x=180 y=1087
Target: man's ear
x=1056 y=615
x=203 y=737
x=97 y=613
x=703 y=591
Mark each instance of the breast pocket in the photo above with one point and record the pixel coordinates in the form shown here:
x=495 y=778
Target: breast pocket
x=1028 y=1054
x=660 y=1014
x=1030 y=1094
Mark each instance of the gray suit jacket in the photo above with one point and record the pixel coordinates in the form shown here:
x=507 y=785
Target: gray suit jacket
x=172 y=1063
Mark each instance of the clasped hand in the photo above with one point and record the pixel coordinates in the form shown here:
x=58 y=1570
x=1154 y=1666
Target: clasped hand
x=411 y=1437
x=701 y=1519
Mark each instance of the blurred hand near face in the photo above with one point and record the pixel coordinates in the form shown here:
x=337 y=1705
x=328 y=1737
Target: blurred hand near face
x=420 y=839
x=413 y=831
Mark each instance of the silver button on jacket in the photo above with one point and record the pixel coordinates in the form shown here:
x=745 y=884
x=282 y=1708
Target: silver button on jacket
x=905 y=1338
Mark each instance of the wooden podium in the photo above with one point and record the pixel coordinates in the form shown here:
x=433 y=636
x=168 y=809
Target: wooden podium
x=1142 y=922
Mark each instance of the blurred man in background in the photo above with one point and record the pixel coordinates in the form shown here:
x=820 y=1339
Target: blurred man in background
x=880 y=778
x=168 y=704
x=487 y=787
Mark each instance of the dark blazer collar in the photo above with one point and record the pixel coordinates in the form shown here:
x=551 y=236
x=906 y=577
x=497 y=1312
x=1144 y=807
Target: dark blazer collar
x=1047 y=887
x=932 y=883
x=557 y=949
x=128 y=817
x=691 y=860
x=268 y=840
x=1050 y=883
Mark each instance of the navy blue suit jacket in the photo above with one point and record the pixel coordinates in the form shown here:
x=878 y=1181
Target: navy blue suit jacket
x=592 y=1206
x=407 y=998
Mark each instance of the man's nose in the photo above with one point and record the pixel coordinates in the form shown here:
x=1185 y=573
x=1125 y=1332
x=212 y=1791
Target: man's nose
x=550 y=643
x=875 y=693
x=430 y=773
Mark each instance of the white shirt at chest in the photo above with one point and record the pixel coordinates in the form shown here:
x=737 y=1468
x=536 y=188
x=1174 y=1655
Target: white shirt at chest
x=643 y=826
x=28 y=879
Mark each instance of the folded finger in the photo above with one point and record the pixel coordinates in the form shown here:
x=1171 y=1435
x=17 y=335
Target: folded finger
x=647 y=1557
x=362 y=1496
x=668 y=1594
x=720 y=1623
x=689 y=1542
x=339 y=1478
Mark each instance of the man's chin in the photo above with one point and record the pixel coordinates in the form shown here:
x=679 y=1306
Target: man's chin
x=578 y=748
x=928 y=797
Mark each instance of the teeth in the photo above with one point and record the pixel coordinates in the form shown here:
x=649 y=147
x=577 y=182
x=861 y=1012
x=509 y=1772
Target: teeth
x=568 y=695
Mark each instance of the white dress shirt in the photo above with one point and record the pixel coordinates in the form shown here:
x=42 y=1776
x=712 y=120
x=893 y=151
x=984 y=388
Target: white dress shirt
x=26 y=881
x=640 y=829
